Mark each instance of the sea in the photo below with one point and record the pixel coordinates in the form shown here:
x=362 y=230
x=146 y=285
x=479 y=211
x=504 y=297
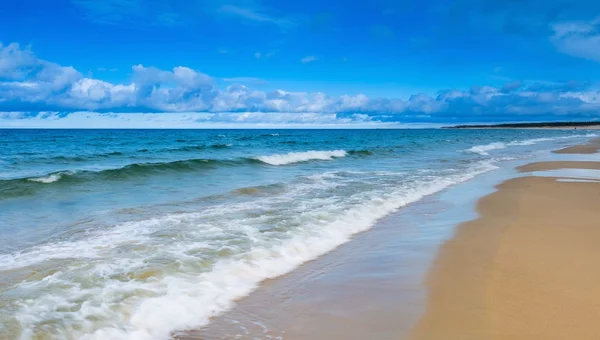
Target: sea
x=137 y=234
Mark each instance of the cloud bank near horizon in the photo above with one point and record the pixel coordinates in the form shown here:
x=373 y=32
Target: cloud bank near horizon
x=33 y=90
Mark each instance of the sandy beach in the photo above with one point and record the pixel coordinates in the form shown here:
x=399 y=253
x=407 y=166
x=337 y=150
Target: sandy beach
x=592 y=147
x=527 y=267
x=297 y=170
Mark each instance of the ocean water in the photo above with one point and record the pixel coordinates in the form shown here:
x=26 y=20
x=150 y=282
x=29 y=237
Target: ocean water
x=135 y=234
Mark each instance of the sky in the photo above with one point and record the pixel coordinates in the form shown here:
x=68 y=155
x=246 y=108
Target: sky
x=253 y=63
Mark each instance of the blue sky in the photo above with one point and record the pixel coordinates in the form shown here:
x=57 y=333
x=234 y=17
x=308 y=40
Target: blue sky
x=250 y=62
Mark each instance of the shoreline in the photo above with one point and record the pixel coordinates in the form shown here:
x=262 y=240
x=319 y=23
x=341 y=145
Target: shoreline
x=593 y=146
x=332 y=298
x=242 y=245
x=369 y=287
x=541 y=125
x=525 y=268
x=583 y=127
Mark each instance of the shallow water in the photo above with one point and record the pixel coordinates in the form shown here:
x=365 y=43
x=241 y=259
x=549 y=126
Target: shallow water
x=134 y=234
x=370 y=287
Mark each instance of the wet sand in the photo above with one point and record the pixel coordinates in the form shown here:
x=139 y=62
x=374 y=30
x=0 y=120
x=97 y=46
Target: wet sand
x=545 y=166
x=592 y=147
x=527 y=268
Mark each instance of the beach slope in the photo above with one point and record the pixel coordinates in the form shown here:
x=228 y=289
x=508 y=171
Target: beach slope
x=527 y=268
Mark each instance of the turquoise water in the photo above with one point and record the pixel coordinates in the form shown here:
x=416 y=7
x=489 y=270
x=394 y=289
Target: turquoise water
x=134 y=234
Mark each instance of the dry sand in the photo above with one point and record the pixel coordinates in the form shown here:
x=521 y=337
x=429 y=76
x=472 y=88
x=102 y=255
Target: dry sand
x=591 y=147
x=526 y=269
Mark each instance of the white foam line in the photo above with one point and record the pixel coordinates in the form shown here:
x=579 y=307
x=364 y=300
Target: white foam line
x=296 y=157
x=188 y=302
x=483 y=149
x=186 y=299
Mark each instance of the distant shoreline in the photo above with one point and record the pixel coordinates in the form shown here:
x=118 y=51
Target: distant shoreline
x=544 y=125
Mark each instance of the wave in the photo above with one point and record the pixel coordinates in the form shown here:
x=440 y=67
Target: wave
x=135 y=307
x=79 y=158
x=297 y=157
x=530 y=141
x=30 y=185
x=93 y=157
x=138 y=169
x=221 y=146
x=51 y=178
x=538 y=140
x=483 y=149
x=361 y=152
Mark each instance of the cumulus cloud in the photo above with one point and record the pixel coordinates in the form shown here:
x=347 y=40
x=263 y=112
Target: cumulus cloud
x=189 y=120
x=30 y=85
x=246 y=80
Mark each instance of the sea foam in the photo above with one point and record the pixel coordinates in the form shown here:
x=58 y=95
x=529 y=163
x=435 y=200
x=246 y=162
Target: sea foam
x=51 y=178
x=180 y=299
x=483 y=149
x=297 y=157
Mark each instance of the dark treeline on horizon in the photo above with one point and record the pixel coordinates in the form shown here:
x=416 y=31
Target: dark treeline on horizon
x=525 y=125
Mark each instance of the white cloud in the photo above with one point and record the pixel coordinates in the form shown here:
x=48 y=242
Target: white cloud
x=254 y=14
x=246 y=80
x=30 y=85
x=578 y=38
x=259 y=55
x=189 y=120
x=308 y=59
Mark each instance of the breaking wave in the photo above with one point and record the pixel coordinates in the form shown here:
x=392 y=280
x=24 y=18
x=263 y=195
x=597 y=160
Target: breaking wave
x=51 y=178
x=483 y=149
x=296 y=157
x=128 y=297
x=30 y=185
